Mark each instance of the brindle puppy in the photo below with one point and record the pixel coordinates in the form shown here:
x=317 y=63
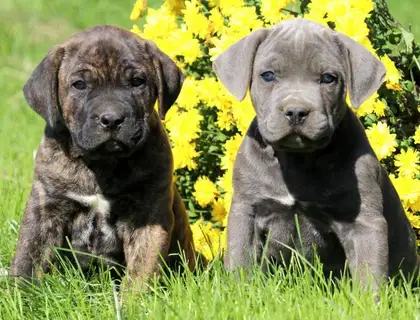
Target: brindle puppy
x=103 y=175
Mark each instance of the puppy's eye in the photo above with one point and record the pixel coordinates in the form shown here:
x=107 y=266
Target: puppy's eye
x=79 y=85
x=137 y=82
x=327 y=78
x=268 y=76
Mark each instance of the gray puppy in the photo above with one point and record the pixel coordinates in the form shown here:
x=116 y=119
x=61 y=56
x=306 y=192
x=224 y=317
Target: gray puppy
x=103 y=172
x=306 y=157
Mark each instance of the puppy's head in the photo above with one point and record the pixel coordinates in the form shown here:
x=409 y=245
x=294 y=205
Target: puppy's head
x=102 y=85
x=298 y=73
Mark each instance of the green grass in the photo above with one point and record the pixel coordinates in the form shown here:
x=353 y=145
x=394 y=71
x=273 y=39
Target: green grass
x=27 y=29
x=214 y=294
x=407 y=13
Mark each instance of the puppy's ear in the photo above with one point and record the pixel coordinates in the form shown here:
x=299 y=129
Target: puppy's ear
x=234 y=66
x=170 y=79
x=365 y=73
x=41 y=89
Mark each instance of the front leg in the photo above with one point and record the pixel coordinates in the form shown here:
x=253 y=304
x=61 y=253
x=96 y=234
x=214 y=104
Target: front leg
x=240 y=249
x=364 y=236
x=41 y=230
x=145 y=249
x=365 y=242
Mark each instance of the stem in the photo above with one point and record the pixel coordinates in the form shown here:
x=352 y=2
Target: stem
x=417 y=62
x=290 y=11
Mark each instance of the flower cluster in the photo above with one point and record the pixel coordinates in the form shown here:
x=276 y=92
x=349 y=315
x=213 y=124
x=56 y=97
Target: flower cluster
x=206 y=125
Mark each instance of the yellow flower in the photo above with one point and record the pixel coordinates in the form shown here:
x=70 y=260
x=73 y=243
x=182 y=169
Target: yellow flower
x=225 y=220
x=138 y=9
x=195 y=21
x=321 y=8
x=393 y=76
x=244 y=20
x=379 y=108
x=417 y=135
x=218 y=211
x=184 y=154
x=204 y=191
x=135 y=29
x=414 y=219
x=381 y=139
x=243 y=113
x=364 y=6
x=368 y=45
x=206 y=239
x=232 y=147
x=353 y=25
x=159 y=24
x=407 y=162
x=416 y=205
x=209 y=91
x=316 y=16
x=270 y=10
x=214 y=3
x=185 y=45
x=372 y=105
x=189 y=95
x=348 y=16
x=175 y=6
x=183 y=126
x=217 y=21
x=225 y=119
x=225 y=40
x=407 y=188
x=229 y=6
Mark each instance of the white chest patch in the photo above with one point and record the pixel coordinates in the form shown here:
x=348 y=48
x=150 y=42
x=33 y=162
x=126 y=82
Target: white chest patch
x=287 y=200
x=96 y=203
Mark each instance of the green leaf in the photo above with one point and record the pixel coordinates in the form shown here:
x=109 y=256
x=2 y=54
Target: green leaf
x=191 y=209
x=213 y=149
x=408 y=39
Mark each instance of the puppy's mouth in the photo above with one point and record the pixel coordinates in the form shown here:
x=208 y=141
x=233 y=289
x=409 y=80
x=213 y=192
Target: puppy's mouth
x=299 y=143
x=297 y=140
x=113 y=147
x=99 y=144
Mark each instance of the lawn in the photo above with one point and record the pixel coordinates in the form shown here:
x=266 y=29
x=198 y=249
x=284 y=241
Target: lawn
x=407 y=13
x=27 y=29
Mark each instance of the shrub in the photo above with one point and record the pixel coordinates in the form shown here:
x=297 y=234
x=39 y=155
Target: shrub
x=206 y=125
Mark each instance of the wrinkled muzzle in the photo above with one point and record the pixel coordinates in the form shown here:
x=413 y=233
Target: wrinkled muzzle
x=294 y=117
x=109 y=127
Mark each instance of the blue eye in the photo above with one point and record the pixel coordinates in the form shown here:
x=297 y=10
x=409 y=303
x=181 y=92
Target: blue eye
x=268 y=76
x=327 y=78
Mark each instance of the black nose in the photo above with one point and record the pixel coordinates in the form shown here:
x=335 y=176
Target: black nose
x=111 y=120
x=296 y=115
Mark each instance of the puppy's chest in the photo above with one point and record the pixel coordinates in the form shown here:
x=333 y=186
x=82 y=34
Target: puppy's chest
x=331 y=194
x=95 y=227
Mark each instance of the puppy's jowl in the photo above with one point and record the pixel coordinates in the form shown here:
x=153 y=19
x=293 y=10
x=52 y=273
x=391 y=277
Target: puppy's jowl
x=103 y=172
x=306 y=156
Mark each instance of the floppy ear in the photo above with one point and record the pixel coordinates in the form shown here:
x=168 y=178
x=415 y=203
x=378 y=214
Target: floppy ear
x=170 y=79
x=365 y=73
x=234 y=66
x=41 y=89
